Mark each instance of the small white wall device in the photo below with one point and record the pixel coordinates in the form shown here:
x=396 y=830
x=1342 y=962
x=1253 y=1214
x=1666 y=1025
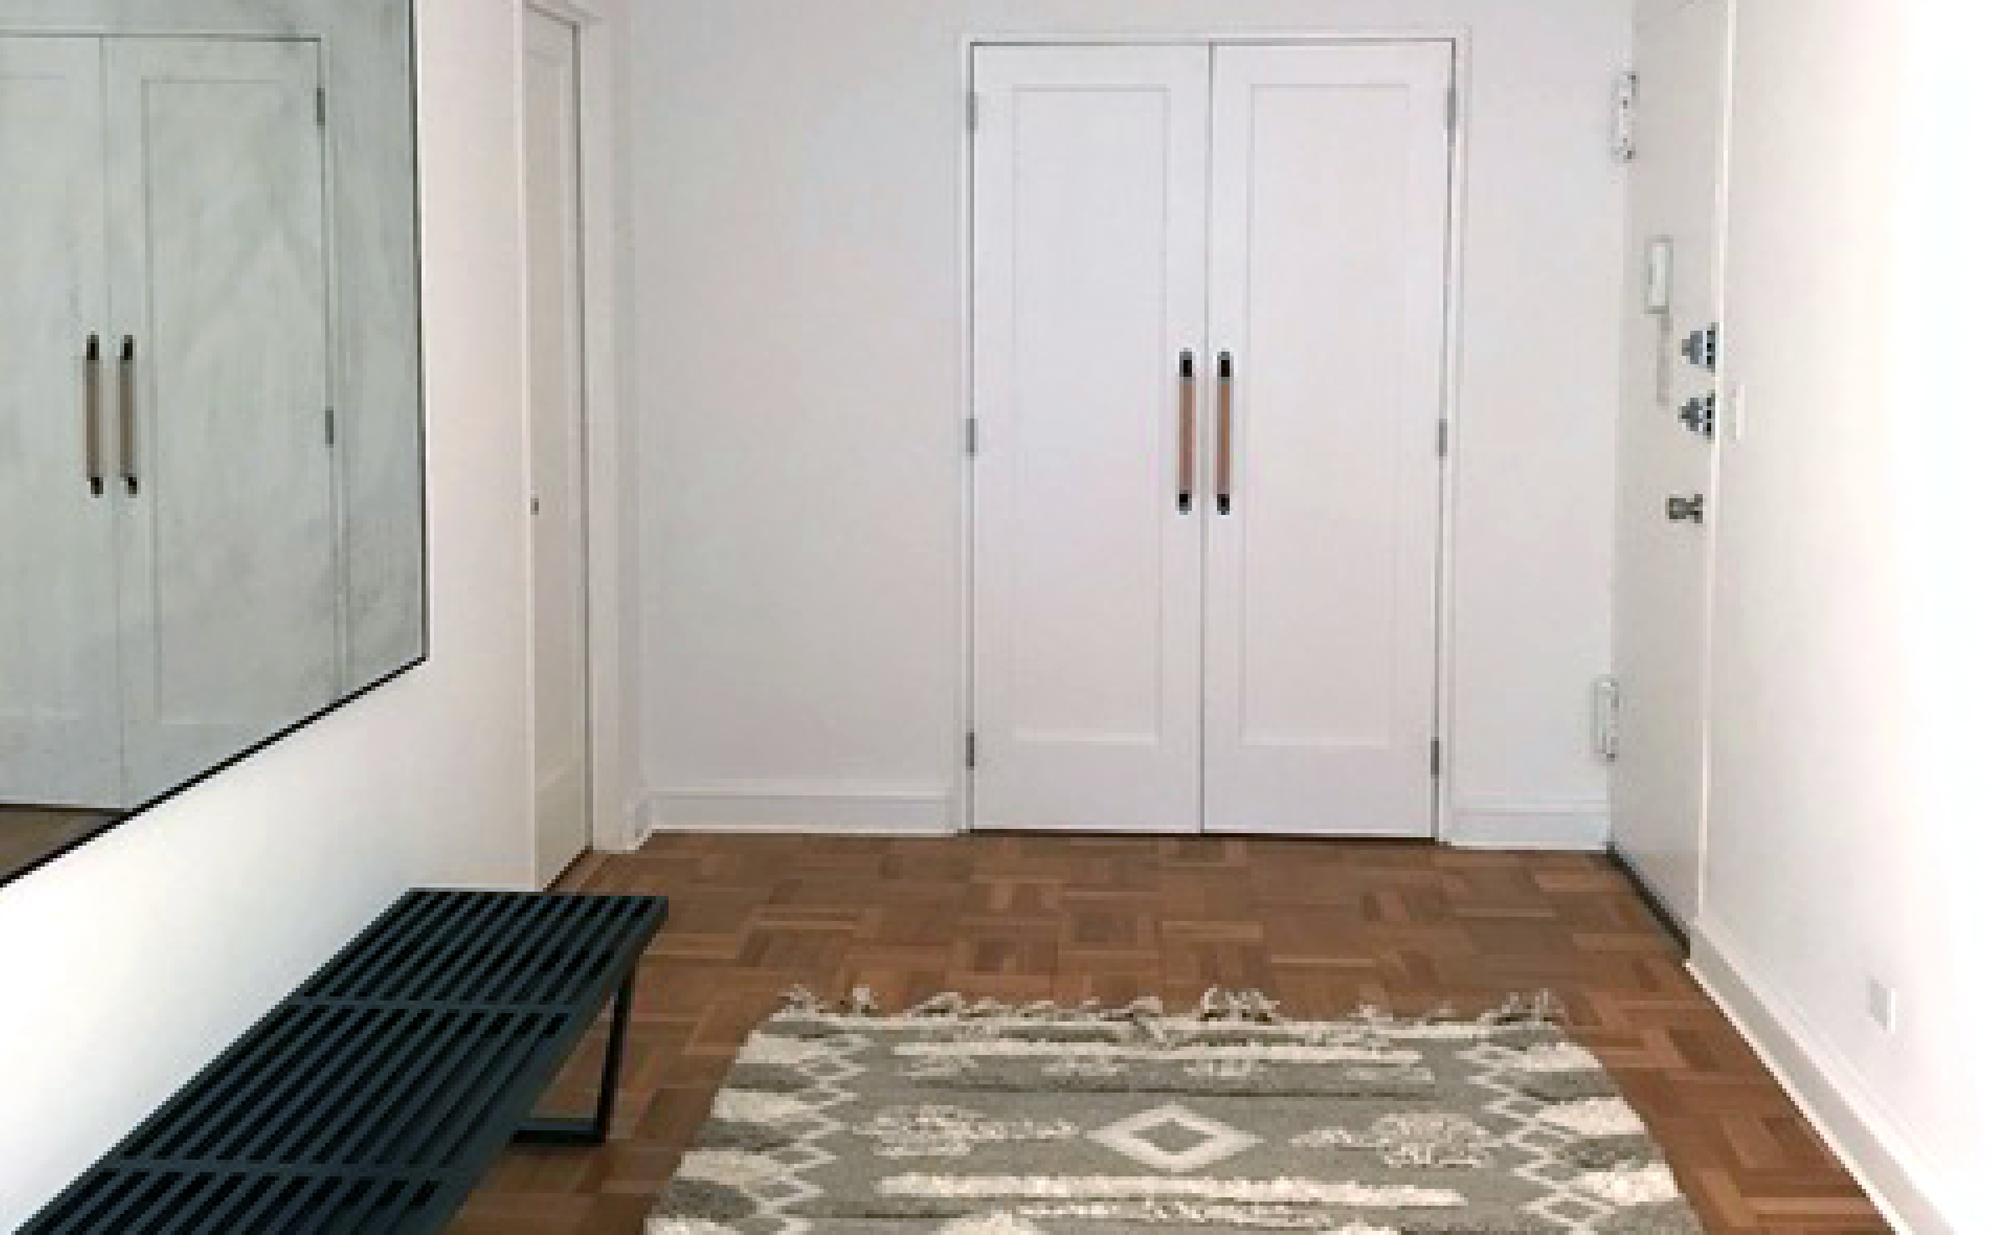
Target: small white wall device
x=1605 y=704
x=1625 y=119
x=1660 y=275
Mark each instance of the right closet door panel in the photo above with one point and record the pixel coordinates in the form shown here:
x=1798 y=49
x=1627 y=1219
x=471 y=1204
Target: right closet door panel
x=1327 y=295
x=218 y=265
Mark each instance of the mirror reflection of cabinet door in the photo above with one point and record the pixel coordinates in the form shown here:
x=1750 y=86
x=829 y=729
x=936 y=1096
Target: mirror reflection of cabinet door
x=166 y=197
x=59 y=739
x=218 y=273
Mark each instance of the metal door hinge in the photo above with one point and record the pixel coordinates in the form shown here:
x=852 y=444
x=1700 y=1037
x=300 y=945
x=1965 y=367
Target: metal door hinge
x=971 y=750
x=1444 y=438
x=972 y=111
x=1437 y=758
x=1698 y=415
x=1703 y=348
x=329 y=426
x=319 y=106
x=971 y=437
x=1451 y=108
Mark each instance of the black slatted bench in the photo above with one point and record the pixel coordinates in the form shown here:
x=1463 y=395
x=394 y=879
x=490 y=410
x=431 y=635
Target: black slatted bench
x=373 y=1099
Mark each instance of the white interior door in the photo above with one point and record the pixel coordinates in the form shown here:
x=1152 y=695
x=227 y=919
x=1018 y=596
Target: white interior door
x=230 y=600
x=556 y=445
x=1090 y=186
x=59 y=732
x=1659 y=780
x=1327 y=303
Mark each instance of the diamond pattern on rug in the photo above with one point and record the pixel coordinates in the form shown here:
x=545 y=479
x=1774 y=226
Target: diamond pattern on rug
x=1149 y=1137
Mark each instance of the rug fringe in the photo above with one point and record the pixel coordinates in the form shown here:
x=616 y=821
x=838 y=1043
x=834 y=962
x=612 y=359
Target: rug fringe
x=1539 y=1008
x=1218 y=1005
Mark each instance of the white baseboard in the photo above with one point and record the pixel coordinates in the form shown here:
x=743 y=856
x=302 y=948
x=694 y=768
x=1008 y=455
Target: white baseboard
x=1564 y=826
x=1895 y=1172
x=1490 y=823
x=832 y=810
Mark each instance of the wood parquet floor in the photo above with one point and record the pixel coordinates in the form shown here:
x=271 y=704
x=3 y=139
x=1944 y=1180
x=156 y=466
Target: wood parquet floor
x=1322 y=926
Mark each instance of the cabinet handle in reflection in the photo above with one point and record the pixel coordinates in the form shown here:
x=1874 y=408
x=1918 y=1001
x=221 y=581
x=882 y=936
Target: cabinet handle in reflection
x=128 y=416
x=93 y=430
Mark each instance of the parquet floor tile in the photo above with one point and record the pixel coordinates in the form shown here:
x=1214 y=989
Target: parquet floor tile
x=1323 y=926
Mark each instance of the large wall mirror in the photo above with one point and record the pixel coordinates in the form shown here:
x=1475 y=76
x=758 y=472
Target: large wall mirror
x=211 y=465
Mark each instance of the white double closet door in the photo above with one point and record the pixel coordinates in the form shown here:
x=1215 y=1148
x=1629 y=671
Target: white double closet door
x=1209 y=340
x=169 y=568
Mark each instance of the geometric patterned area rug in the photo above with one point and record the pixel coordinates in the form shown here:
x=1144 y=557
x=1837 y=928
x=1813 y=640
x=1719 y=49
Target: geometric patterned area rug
x=959 y=1118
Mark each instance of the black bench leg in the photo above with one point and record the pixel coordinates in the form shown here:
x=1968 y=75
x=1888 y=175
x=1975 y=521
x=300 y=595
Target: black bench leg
x=597 y=1128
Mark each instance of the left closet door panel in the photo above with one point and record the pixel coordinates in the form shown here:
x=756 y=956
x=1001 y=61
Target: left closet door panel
x=59 y=732
x=215 y=148
x=1090 y=181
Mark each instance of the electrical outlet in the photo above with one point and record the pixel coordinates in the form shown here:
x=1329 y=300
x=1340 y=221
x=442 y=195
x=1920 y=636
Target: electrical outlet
x=1883 y=1005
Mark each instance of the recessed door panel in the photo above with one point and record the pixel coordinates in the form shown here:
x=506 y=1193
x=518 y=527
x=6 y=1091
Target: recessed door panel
x=59 y=730
x=1327 y=294
x=218 y=276
x=1090 y=184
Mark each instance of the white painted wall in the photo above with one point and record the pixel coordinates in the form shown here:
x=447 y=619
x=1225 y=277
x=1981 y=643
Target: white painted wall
x=1852 y=821
x=132 y=961
x=798 y=192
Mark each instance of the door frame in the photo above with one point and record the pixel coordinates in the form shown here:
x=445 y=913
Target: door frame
x=1459 y=38
x=599 y=220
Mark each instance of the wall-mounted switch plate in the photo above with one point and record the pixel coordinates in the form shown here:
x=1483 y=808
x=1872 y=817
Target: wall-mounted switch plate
x=1660 y=276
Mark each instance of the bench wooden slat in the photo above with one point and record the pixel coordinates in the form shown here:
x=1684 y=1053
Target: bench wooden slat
x=535 y=950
